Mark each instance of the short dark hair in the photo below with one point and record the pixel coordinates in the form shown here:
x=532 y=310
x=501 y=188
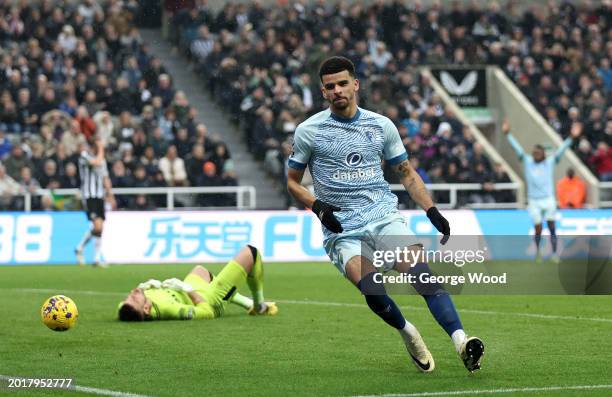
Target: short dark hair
x=336 y=64
x=127 y=312
x=539 y=147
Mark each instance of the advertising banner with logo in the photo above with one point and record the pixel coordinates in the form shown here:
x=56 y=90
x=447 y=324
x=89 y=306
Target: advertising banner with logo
x=467 y=86
x=214 y=236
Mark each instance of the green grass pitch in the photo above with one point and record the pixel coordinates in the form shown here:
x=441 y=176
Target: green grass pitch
x=312 y=348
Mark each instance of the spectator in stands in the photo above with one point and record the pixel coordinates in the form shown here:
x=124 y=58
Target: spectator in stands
x=141 y=203
x=173 y=168
x=220 y=156
x=602 y=161
x=27 y=182
x=47 y=140
x=158 y=142
x=140 y=178
x=194 y=164
x=500 y=176
x=72 y=139
x=70 y=178
x=46 y=203
x=148 y=121
x=86 y=123
x=125 y=128
x=28 y=120
x=9 y=118
x=5 y=145
x=571 y=191
x=149 y=161
x=49 y=178
x=67 y=40
x=209 y=178
x=8 y=189
x=182 y=143
x=16 y=161
x=202 y=46
x=164 y=89
x=158 y=180
x=120 y=177
x=61 y=158
x=263 y=132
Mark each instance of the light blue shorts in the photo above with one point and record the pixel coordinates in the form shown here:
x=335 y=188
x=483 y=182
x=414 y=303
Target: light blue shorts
x=364 y=241
x=539 y=209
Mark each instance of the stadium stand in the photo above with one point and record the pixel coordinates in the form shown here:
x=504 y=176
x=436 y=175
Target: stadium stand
x=557 y=53
x=68 y=72
x=71 y=71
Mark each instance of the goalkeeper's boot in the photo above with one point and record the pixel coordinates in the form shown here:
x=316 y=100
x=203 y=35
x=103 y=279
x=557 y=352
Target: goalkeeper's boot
x=538 y=258
x=471 y=353
x=270 y=309
x=555 y=259
x=419 y=353
x=79 y=255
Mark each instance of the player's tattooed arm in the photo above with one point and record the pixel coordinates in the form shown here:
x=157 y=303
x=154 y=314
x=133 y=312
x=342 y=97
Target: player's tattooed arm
x=413 y=184
x=295 y=188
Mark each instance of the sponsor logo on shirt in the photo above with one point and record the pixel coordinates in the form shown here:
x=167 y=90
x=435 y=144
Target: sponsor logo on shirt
x=353 y=159
x=366 y=173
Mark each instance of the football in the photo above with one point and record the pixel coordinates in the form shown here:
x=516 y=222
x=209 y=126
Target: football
x=59 y=313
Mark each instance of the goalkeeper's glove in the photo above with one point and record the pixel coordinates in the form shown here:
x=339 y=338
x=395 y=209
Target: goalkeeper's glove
x=177 y=285
x=325 y=213
x=152 y=283
x=440 y=223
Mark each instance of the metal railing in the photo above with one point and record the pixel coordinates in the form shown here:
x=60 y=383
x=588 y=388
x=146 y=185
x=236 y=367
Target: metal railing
x=245 y=195
x=454 y=188
x=605 y=194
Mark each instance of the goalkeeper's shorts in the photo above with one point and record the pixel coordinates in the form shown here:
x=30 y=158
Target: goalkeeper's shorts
x=386 y=234
x=223 y=286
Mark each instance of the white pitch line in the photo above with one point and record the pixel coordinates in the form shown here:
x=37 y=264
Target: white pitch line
x=340 y=304
x=472 y=311
x=82 y=389
x=492 y=391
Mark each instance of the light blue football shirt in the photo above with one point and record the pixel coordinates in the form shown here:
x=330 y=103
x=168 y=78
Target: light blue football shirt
x=344 y=156
x=540 y=176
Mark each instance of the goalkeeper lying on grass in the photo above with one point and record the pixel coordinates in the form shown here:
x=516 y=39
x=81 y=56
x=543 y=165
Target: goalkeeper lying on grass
x=201 y=295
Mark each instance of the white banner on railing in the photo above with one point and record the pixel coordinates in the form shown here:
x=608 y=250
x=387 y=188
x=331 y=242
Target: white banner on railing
x=215 y=236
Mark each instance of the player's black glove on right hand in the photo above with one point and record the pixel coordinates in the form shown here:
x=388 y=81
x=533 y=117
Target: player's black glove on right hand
x=325 y=213
x=440 y=223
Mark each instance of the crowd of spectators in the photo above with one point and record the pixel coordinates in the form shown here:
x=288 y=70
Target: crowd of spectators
x=261 y=63
x=559 y=56
x=69 y=71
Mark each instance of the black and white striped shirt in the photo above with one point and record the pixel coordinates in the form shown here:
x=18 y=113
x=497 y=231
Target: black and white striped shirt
x=92 y=178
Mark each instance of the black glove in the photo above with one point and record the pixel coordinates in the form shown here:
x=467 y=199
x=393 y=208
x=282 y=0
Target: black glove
x=325 y=213
x=440 y=223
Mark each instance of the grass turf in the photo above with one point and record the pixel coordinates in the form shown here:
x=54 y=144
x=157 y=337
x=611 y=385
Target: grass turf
x=309 y=349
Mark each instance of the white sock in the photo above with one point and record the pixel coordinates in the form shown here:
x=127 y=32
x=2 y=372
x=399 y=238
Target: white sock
x=85 y=240
x=242 y=301
x=458 y=338
x=97 y=248
x=409 y=331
